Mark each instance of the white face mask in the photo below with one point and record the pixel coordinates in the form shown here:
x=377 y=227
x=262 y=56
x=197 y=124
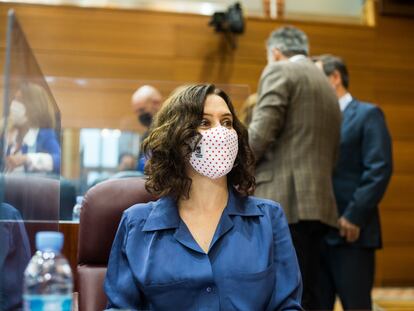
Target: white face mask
x=17 y=113
x=216 y=152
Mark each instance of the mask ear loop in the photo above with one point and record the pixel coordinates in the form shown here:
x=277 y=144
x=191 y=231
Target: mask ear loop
x=194 y=141
x=192 y=145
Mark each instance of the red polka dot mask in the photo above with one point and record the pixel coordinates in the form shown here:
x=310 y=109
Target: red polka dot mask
x=216 y=152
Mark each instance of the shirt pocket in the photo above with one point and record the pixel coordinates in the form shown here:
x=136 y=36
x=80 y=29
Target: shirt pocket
x=248 y=291
x=163 y=296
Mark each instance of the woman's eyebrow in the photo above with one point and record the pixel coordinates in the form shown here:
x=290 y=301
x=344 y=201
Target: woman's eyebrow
x=227 y=114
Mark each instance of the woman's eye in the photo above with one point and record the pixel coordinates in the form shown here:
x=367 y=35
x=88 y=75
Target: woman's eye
x=227 y=123
x=204 y=122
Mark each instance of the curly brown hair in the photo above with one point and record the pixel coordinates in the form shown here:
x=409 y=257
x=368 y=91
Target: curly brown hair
x=168 y=145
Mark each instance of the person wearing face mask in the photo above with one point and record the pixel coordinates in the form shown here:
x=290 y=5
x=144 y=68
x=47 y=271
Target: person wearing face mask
x=205 y=243
x=145 y=102
x=32 y=145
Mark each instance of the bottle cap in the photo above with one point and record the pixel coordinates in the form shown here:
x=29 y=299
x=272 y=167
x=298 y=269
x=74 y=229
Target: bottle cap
x=79 y=199
x=49 y=240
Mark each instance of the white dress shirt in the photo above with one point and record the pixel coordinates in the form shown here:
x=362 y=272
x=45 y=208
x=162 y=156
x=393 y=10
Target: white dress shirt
x=344 y=101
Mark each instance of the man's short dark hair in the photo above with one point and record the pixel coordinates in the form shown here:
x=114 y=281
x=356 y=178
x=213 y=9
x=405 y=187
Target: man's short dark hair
x=330 y=63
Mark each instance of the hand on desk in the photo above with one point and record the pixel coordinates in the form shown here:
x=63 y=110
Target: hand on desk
x=14 y=161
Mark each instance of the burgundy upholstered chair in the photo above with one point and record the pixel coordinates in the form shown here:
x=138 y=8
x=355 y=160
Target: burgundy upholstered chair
x=101 y=212
x=36 y=197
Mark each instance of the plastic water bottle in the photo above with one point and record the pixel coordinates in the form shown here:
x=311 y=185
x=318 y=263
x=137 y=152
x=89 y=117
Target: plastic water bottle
x=48 y=278
x=77 y=208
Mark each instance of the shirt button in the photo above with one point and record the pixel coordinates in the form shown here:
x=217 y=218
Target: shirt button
x=209 y=289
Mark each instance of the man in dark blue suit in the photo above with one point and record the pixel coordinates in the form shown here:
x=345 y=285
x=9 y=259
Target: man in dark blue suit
x=360 y=179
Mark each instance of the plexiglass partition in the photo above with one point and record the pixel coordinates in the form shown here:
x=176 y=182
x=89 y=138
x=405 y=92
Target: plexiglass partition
x=30 y=163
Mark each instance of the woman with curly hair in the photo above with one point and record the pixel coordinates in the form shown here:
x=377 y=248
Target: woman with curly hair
x=206 y=243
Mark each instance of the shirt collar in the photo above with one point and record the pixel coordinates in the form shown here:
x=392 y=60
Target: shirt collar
x=164 y=214
x=242 y=206
x=297 y=57
x=344 y=101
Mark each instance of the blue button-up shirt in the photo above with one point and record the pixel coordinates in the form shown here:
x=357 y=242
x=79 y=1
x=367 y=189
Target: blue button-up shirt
x=155 y=263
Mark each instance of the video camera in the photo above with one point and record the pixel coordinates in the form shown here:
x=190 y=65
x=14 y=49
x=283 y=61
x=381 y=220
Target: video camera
x=231 y=21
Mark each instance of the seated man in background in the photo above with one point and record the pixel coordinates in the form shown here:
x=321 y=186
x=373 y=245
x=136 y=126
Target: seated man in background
x=360 y=179
x=127 y=167
x=146 y=101
x=127 y=162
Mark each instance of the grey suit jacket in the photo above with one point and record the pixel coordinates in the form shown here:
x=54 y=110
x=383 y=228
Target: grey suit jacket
x=294 y=135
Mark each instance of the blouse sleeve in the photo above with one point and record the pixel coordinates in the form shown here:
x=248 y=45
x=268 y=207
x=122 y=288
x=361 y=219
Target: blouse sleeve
x=51 y=146
x=120 y=286
x=287 y=292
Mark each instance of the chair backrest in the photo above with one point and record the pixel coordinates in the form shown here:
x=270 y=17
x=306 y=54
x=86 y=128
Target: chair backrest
x=39 y=197
x=101 y=212
x=36 y=197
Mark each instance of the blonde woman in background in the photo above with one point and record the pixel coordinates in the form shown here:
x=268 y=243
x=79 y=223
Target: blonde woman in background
x=32 y=144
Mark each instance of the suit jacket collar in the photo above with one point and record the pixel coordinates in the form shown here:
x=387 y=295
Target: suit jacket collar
x=350 y=110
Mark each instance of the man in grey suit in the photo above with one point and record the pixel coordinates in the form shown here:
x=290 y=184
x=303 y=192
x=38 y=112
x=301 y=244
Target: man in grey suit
x=360 y=179
x=294 y=134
